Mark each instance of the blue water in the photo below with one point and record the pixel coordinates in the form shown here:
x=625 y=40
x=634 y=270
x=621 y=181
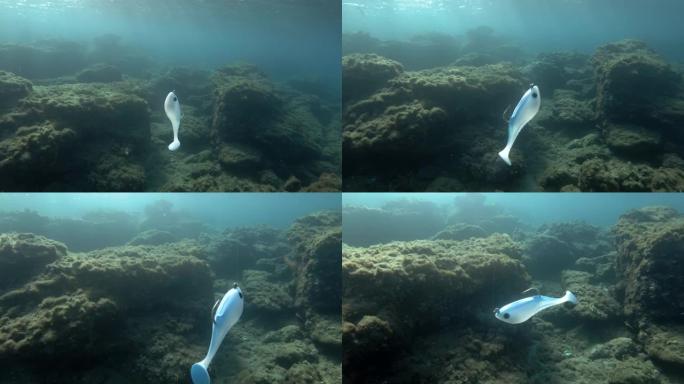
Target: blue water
x=220 y=210
x=284 y=38
x=535 y=25
x=535 y=209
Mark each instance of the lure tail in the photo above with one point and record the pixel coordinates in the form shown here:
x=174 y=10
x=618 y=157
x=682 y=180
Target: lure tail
x=504 y=155
x=199 y=373
x=570 y=297
x=174 y=145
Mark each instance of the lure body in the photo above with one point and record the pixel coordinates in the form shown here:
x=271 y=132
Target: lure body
x=228 y=312
x=526 y=110
x=522 y=310
x=173 y=112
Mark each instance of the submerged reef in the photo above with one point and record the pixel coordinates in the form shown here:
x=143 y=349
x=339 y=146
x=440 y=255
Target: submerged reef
x=439 y=127
x=651 y=266
x=140 y=313
x=421 y=310
x=97 y=124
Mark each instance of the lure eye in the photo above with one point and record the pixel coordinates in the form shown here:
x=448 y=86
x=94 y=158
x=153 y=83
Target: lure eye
x=506 y=316
x=534 y=94
x=240 y=293
x=176 y=99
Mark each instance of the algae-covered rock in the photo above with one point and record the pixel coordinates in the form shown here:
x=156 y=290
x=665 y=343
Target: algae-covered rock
x=429 y=118
x=408 y=129
x=596 y=303
x=141 y=276
x=384 y=280
x=192 y=86
x=74 y=309
x=327 y=182
x=618 y=361
x=649 y=242
x=73 y=325
x=364 y=73
x=316 y=239
x=570 y=112
x=557 y=69
x=265 y=294
x=632 y=140
x=248 y=109
x=239 y=249
x=626 y=66
x=24 y=254
x=78 y=136
x=99 y=73
x=559 y=245
x=664 y=344
x=235 y=157
x=13 y=88
x=463 y=91
x=316 y=257
x=370 y=337
x=245 y=102
x=35 y=154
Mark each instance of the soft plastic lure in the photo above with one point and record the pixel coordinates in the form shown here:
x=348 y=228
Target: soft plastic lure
x=173 y=112
x=522 y=310
x=527 y=108
x=225 y=314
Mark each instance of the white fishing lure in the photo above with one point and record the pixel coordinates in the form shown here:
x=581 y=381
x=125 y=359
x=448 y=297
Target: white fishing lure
x=522 y=310
x=226 y=313
x=173 y=112
x=527 y=108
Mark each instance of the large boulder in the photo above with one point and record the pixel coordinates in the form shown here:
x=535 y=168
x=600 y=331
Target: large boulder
x=397 y=294
x=316 y=257
x=626 y=66
x=384 y=280
x=81 y=307
x=101 y=131
x=13 y=88
x=364 y=73
x=558 y=246
x=238 y=249
x=650 y=260
x=633 y=141
x=23 y=255
x=249 y=109
x=413 y=132
x=619 y=360
x=650 y=263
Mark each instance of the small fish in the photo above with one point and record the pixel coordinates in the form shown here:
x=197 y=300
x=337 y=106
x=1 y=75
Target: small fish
x=527 y=108
x=225 y=315
x=173 y=112
x=522 y=310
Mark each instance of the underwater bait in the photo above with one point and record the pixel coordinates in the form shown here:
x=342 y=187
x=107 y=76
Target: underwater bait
x=527 y=108
x=520 y=311
x=225 y=314
x=173 y=112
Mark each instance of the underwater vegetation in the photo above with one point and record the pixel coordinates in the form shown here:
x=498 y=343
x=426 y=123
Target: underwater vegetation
x=433 y=122
x=140 y=312
x=89 y=117
x=420 y=310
